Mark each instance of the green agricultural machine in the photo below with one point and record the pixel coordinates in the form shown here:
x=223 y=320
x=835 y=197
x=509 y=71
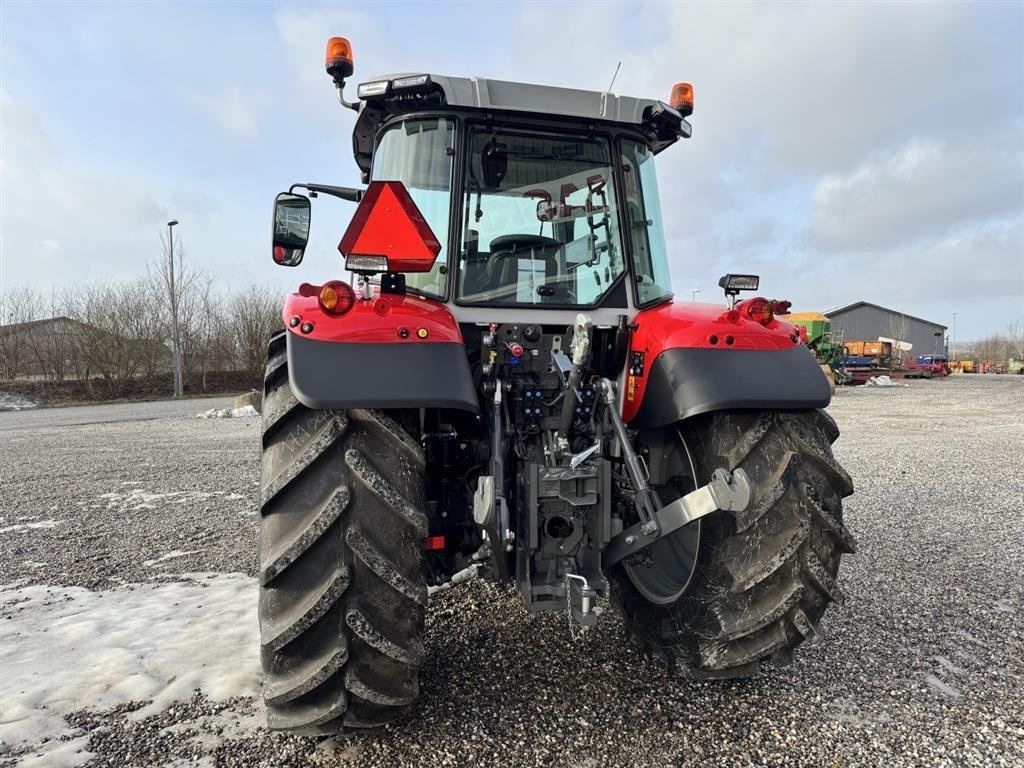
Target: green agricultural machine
x=824 y=342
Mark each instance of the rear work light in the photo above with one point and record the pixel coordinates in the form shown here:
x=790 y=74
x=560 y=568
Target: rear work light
x=736 y=283
x=376 y=88
x=758 y=309
x=336 y=297
x=415 y=81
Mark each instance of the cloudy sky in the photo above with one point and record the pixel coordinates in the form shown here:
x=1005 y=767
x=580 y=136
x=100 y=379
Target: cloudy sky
x=843 y=151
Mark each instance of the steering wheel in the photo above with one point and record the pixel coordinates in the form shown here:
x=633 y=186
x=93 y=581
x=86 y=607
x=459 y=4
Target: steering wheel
x=523 y=242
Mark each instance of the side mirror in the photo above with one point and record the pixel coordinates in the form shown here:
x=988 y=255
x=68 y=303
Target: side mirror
x=291 y=228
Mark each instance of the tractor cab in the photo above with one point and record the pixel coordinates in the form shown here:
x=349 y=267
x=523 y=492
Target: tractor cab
x=534 y=209
x=541 y=198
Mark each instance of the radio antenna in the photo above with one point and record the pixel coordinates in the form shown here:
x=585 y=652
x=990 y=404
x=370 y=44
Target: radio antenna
x=614 y=76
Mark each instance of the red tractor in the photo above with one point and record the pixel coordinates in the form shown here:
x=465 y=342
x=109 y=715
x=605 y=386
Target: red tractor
x=504 y=388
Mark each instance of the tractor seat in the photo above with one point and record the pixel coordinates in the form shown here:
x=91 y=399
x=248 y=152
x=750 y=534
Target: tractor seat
x=502 y=271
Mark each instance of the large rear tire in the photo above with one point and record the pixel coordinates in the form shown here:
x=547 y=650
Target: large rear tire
x=756 y=583
x=342 y=591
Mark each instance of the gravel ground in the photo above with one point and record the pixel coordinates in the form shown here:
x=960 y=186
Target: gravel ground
x=923 y=666
x=126 y=484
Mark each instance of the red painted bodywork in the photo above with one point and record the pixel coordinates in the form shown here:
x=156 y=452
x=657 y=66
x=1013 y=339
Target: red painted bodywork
x=935 y=369
x=705 y=326
x=379 y=320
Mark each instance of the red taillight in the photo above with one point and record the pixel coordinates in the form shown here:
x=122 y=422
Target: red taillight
x=433 y=543
x=758 y=309
x=336 y=297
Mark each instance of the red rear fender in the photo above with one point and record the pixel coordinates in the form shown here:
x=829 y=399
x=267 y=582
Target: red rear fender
x=384 y=319
x=387 y=352
x=696 y=326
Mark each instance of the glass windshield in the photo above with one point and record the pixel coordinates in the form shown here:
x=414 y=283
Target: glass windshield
x=419 y=154
x=540 y=225
x=643 y=215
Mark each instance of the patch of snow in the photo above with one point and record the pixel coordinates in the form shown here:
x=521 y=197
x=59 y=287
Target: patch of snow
x=214 y=413
x=136 y=499
x=9 y=401
x=41 y=525
x=69 y=648
x=170 y=556
x=882 y=381
x=233 y=496
x=246 y=411
x=183 y=762
x=67 y=754
x=941 y=686
x=222 y=726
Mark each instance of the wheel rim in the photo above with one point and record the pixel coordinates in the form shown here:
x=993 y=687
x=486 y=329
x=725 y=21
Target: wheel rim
x=672 y=560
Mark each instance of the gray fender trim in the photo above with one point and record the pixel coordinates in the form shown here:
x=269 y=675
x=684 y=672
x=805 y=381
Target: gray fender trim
x=336 y=374
x=687 y=382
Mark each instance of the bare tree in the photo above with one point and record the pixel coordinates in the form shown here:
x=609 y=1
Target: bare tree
x=254 y=315
x=18 y=308
x=994 y=349
x=120 y=340
x=203 y=328
x=115 y=337
x=54 y=343
x=1015 y=338
x=179 y=292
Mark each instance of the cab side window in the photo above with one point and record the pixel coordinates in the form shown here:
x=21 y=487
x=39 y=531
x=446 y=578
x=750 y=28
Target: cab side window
x=643 y=219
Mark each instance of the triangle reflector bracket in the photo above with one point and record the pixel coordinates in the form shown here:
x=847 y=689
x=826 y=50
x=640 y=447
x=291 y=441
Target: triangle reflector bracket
x=387 y=223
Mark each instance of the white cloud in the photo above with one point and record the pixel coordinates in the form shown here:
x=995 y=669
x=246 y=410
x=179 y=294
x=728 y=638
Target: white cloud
x=231 y=108
x=52 y=217
x=65 y=223
x=924 y=189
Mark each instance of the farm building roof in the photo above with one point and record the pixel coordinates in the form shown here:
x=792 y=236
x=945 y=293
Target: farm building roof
x=848 y=307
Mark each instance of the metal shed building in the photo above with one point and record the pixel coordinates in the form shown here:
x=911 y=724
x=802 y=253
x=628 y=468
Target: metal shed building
x=864 y=320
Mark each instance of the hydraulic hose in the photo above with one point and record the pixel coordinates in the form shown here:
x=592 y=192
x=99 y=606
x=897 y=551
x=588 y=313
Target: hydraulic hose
x=580 y=349
x=570 y=402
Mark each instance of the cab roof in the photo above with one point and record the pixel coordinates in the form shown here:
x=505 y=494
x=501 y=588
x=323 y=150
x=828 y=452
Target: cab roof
x=482 y=94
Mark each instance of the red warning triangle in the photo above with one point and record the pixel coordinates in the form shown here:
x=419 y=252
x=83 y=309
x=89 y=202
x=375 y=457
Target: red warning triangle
x=388 y=223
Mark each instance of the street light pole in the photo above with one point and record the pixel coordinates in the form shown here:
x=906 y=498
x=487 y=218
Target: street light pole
x=693 y=295
x=952 y=344
x=175 y=340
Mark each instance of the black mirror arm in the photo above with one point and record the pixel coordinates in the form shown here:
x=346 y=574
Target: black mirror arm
x=345 y=193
